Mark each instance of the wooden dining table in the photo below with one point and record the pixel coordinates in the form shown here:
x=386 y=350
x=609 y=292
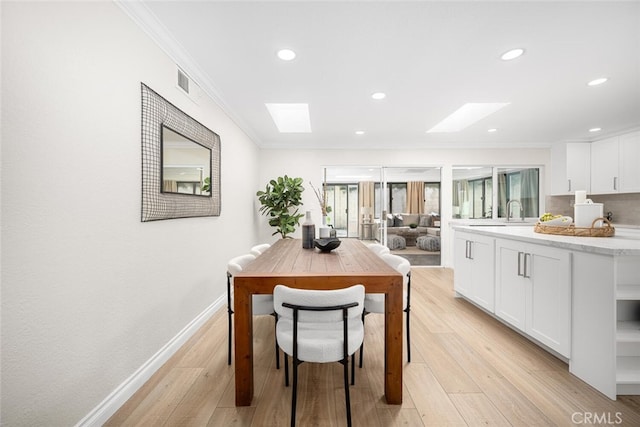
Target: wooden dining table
x=287 y=263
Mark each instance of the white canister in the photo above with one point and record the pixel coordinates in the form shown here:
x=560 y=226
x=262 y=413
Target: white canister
x=585 y=213
x=325 y=232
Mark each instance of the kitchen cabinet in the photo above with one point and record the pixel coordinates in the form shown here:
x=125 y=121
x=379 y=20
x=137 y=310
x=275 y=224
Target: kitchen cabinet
x=604 y=168
x=578 y=297
x=533 y=291
x=570 y=167
x=474 y=268
x=629 y=158
x=614 y=167
x=607 y=307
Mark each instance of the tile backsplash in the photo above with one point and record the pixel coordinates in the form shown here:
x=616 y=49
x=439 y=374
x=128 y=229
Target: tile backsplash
x=625 y=207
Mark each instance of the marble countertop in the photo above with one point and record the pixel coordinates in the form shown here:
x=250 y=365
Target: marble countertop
x=626 y=241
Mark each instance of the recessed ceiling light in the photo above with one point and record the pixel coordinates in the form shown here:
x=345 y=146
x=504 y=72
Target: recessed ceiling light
x=379 y=95
x=359 y=132
x=512 y=54
x=467 y=115
x=597 y=82
x=290 y=118
x=492 y=130
x=286 y=54
x=595 y=129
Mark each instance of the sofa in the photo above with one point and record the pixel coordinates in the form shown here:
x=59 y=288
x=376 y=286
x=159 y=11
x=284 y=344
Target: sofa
x=400 y=224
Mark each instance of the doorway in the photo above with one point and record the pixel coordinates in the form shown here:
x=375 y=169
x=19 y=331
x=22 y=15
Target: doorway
x=343 y=199
x=368 y=203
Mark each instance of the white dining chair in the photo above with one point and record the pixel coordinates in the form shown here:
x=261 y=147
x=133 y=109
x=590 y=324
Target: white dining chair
x=262 y=304
x=374 y=303
x=257 y=250
x=378 y=249
x=321 y=327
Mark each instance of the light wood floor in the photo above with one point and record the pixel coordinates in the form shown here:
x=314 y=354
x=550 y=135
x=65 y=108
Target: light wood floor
x=466 y=369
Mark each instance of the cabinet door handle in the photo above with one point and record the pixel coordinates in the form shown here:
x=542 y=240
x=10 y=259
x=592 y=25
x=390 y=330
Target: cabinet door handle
x=615 y=183
x=569 y=185
x=470 y=249
x=520 y=264
x=526 y=266
x=466 y=249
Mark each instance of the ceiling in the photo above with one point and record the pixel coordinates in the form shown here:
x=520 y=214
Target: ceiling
x=429 y=57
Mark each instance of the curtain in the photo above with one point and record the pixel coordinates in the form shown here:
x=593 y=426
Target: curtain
x=169 y=186
x=502 y=195
x=415 y=197
x=460 y=198
x=366 y=191
x=529 y=192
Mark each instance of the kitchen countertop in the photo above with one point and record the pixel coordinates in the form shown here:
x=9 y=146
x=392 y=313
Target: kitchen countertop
x=626 y=241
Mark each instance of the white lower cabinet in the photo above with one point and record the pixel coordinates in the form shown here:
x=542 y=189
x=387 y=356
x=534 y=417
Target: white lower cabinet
x=533 y=291
x=474 y=268
x=606 y=335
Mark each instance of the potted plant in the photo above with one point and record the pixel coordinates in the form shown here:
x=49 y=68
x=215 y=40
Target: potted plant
x=280 y=201
x=325 y=209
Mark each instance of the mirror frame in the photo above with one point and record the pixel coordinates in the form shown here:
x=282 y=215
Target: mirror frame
x=156 y=205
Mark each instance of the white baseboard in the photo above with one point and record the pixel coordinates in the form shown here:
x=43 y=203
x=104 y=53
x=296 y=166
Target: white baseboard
x=101 y=413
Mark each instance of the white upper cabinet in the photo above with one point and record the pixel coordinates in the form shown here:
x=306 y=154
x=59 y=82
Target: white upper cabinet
x=629 y=164
x=614 y=166
x=570 y=167
x=604 y=168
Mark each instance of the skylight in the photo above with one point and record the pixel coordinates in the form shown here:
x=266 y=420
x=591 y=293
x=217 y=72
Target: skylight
x=467 y=115
x=290 y=118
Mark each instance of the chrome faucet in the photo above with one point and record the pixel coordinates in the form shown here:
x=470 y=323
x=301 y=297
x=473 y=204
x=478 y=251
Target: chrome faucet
x=509 y=209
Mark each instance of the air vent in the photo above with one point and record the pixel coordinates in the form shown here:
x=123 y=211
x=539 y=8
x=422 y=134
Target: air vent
x=183 y=81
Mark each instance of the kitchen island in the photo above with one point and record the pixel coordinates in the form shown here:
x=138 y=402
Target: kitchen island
x=578 y=297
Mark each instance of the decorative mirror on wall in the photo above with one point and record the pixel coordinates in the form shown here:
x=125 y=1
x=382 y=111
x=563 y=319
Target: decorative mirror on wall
x=180 y=162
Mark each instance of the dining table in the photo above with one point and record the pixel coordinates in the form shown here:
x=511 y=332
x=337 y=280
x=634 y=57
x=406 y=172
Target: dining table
x=287 y=263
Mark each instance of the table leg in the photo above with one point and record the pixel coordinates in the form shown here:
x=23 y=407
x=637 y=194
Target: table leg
x=243 y=328
x=393 y=344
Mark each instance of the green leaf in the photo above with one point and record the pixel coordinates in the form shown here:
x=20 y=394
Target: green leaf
x=281 y=196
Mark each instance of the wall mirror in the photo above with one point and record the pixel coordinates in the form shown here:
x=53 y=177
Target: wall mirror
x=186 y=165
x=174 y=182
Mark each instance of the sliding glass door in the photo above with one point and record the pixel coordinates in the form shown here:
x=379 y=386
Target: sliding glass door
x=370 y=203
x=351 y=193
x=343 y=199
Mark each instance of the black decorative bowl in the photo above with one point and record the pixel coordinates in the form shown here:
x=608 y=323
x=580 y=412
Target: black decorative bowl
x=327 y=245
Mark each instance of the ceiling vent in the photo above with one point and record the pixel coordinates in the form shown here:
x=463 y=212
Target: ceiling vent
x=183 y=81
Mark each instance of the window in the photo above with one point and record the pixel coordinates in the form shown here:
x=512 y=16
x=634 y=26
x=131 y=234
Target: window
x=432 y=198
x=398 y=197
x=522 y=185
x=475 y=194
x=472 y=192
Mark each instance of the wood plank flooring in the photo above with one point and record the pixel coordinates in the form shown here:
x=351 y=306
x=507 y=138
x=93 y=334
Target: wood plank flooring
x=466 y=369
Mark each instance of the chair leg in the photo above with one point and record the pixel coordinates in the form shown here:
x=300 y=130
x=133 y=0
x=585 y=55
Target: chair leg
x=276 y=341
x=229 y=340
x=408 y=338
x=346 y=390
x=353 y=369
x=286 y=369
x=294 y=396
x=362 y=345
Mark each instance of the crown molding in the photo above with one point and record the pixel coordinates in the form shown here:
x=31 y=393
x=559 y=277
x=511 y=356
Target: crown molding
x=144 y=18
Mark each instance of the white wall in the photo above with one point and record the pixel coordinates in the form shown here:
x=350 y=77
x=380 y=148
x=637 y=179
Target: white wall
x=89 y=293
x=309 y=164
